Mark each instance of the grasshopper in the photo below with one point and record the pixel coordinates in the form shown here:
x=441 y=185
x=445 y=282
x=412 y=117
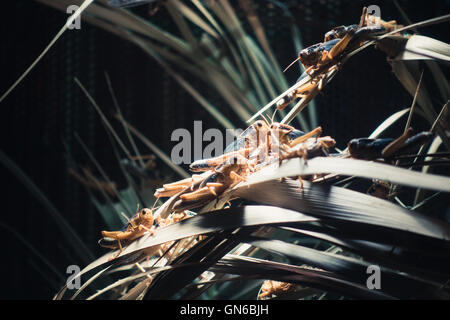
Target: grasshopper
x=371 y=149
x=306 y=147
x=284 y=138
x=343 y=39
x=227 y=175
x=321 y=58
x=272 y=287
x=247 y=142
x=171 y=189
x=208 y=185
x=140 y=223
x=310 y=148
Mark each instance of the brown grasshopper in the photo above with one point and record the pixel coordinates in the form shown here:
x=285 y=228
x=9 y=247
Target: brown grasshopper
x=340 y=39
x=208 y=185
x=306 y=147
x=284 y=142
x=222 y=178
x=321 y=58
x=171 y=189
x=272 y=287
x=140 y=223
x=310 y=149
x=246 y=142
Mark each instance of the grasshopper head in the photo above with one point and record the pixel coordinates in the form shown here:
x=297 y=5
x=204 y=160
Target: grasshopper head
x=146 y=216
x=259 y=125
x=310 y=56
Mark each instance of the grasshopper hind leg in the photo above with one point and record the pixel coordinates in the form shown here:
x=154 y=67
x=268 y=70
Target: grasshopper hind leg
x=114 y=256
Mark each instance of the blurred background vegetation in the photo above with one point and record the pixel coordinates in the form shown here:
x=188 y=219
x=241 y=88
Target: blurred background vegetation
x=41 y=118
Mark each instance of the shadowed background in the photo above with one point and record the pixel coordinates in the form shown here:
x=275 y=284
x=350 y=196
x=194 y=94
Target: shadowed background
x=42 y=115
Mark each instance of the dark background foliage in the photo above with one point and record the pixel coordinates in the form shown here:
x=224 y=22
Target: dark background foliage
x=47 y=109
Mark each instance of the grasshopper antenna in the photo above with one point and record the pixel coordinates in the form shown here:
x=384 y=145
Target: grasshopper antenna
x=273 y=116
x=125 y=216
x=290 y=65
x=265 y=119
x=154 y=203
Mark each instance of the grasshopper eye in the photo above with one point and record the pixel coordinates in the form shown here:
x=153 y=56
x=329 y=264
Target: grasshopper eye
x=302 y=54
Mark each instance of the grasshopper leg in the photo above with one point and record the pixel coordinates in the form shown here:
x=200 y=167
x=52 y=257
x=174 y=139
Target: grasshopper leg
x=147 y=229
x=362 y=21
x=395 y=145
x=309 y=70
x=117 y=235
x=301 y=183
x=262 y=295
x=306 y=136
x=118 y=253
x=197 y=194
x=212 y=186
x=339 y=47
x=235 y=176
